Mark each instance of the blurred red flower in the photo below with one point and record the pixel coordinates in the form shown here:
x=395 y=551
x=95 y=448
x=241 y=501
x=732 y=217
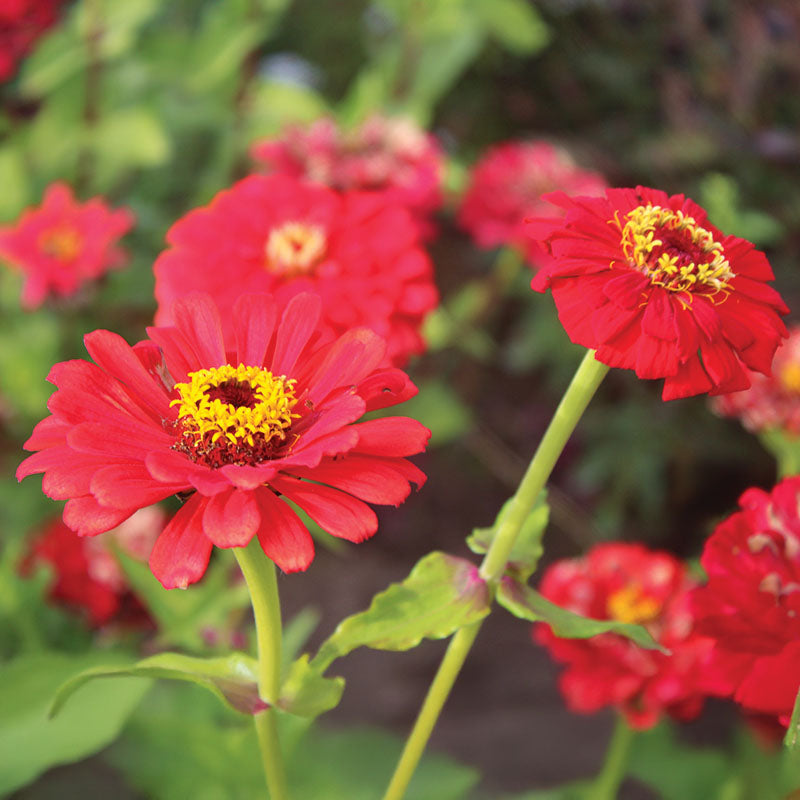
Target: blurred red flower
x=62 y=244
x=86 y=575
x=649 y=283
x=388 y=154
x=240 y=427
x=771 y=401
x=358 y=251
x=628 y=583
x=506 y=188
x=751 y=603
x=22 y=22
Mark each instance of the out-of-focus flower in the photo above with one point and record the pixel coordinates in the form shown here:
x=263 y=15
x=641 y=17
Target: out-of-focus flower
x=649 y=283
x=506 y=188
x=359 y=251
x=388 y=154
x=751 y=603
x=771 y=401
x=22 y=22
x=62 y=244
x=239 y=426
x=628 y=583
x=86 y=575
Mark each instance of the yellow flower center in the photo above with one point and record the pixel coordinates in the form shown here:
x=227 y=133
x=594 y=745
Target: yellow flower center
x=674 y=251
x=789 y=377
x=294 y=249
x=631 y=604
x=62 y=243
x=233 y=415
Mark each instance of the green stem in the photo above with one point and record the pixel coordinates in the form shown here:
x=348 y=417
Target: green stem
x=580 y=391
x=259 y=574
x=792 y=738
x=607 y=783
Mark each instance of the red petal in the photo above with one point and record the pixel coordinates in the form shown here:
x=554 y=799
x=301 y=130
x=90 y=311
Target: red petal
x=181 y=552
x=298 y=323
x=88 y=518
x=231 y=518
x=171 y=467
x=334 y=511
x=197 y=318
x=392 y=436
x=386 y=388
x=126 y=485
x=282 y=535
x=659 y=316
x=253 y=324
x=773 y=682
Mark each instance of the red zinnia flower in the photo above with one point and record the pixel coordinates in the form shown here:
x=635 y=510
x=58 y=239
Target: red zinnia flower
x=771 y=401
x=277 y=234
x=506 y=188
x=22 y=22
x=751 y=603
x=86 y=576
x=62 y=244
x=628 y=583
x=649 y=283
x=241 y=427
x=387 y=154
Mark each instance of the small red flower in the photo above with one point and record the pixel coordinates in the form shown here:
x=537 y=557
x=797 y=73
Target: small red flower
x=627 y=583
x=245 y=429
x=386 y=154
x=62 y=244
x=22 y=22
x=771 y=401
x=86 y=576
x=751 y=603
x=506 y=187
x=649 y=283
x=277 y=234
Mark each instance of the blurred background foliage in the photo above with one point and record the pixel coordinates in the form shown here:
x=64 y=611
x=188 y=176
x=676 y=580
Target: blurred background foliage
x=155 y=104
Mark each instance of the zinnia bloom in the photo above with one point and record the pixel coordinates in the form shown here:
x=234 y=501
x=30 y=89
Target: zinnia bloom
x=751 y=603
x=627 y=583
x=358 y=251
x=22 y=22
x=388 y=154
x=506 y=188
x=86 y=575
x=771 y=401
x=243 y=429
x=62 y=244
x=649 y=283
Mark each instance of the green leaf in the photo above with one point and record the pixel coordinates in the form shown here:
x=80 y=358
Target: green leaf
x=514 y=23
x=231 y=678
x=30 y=743
x=15 y=182
x=306 y=693
x=528 y=547
x=704 y=774
x=526 y=603
x=441 y=594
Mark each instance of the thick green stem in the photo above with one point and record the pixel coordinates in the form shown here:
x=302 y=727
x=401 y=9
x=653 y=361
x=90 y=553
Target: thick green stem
x=611 y=775
x=259 y=574
x=580 y=391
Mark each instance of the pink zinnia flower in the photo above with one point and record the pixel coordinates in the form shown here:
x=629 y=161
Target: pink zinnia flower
x=391 y=155
x=506 y=188
x=628 y=583
x=62 y=244
x=359 y=251
x=771 y=402
x=649 y=283
x=243 y=428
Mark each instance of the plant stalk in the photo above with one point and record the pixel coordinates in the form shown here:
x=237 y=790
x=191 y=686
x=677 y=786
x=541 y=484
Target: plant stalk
x=259 y=574
x=607 y=783
x=584 y=384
